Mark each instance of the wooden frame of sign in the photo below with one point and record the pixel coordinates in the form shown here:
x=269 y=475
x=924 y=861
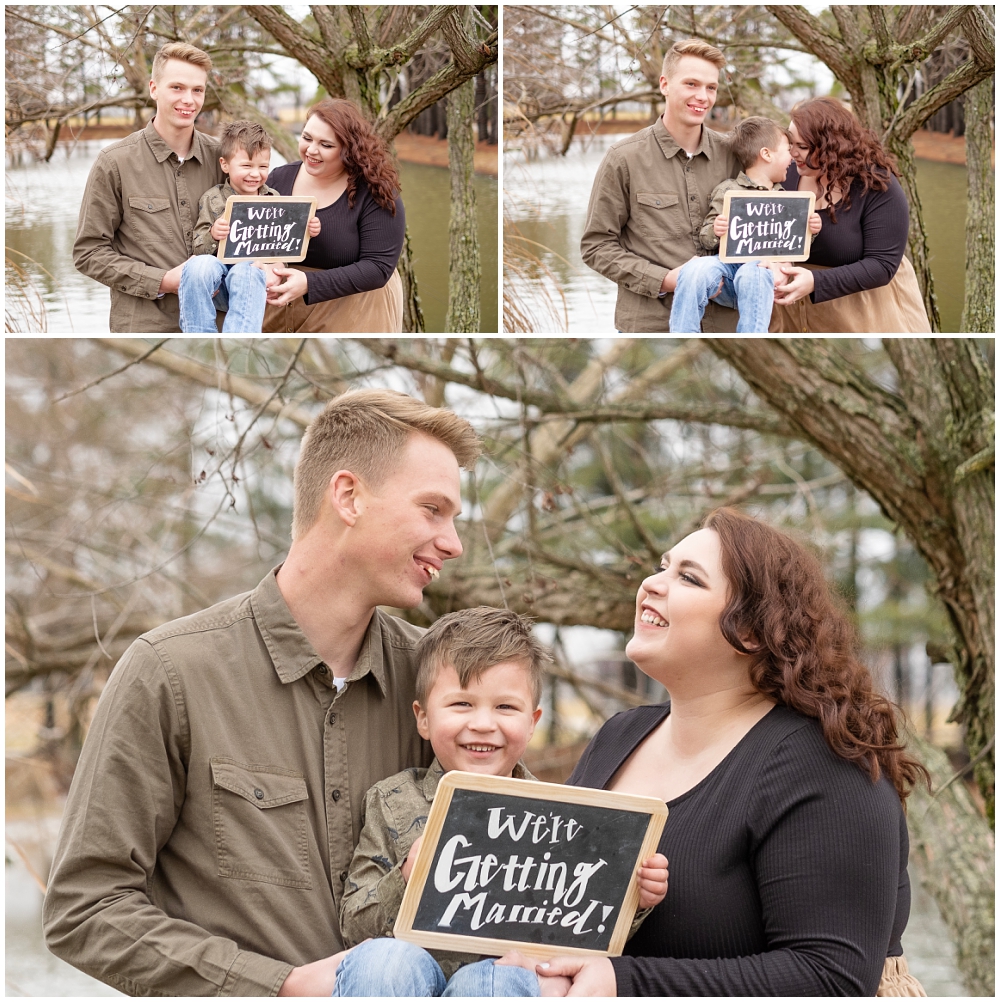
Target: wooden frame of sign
x=549 y=916
x=731 y=249
x=226 y=245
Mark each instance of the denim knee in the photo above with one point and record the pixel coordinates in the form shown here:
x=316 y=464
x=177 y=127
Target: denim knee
x=701 y=271
x=245 y=271
x=752 y=274
x=204 y=269
x=388 y=968
x=485 y=980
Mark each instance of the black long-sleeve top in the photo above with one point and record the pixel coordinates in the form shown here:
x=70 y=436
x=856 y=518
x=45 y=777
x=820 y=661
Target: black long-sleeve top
x=357 y=248
x=787 y=868
x=864 y=246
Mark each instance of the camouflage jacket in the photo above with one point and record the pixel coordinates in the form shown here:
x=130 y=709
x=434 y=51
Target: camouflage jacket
x=211 y=205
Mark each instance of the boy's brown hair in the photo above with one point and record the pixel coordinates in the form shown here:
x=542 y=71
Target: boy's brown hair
x=475 y=640
x=248 y=136
x=364 y=431
x=751 y=136
x=182 y=51
x=691 y=47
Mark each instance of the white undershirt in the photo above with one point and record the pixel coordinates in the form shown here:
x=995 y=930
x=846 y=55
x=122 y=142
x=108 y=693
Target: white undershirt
x=339 y=683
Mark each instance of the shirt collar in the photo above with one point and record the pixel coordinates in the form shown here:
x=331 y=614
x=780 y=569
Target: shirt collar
x=429 y=784
x=292 y=655
x=671 y=147
x=745 y=181
x=163 y=152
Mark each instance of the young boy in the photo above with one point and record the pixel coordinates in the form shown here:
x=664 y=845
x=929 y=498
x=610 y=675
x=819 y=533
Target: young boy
x=478 y=686
x=207 y=283
x=762 y=149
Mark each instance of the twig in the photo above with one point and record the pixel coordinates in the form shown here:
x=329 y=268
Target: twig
x=984 y=751
x=100 y=379
x=27 y=863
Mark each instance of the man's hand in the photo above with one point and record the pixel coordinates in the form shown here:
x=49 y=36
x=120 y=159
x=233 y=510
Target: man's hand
x=171 y=281
x=314 y=226
x=815 y=223
x=653 y=876
x=669 y=282
x=220 y=229
x=591 y=977
x=720 y=226
x=411 y=858
x=313 y=980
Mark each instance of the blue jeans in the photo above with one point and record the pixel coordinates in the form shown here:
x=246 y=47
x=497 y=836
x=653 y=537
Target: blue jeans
x=391 y=968
x=745 y=287
x=207 y=285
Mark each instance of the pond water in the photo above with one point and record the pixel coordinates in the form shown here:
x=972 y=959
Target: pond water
x=43 y=203
x=546 y=197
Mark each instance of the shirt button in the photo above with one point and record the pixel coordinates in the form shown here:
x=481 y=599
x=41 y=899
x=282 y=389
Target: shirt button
x=335 y=794
x=333 y=718
x=657 y=201
x=259 y=794
x=183 y=202
x=323 y=670
x=149 y=207
x=343 y=876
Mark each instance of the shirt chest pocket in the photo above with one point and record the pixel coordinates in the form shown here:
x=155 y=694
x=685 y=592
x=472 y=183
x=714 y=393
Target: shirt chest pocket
x=152 y=217
x=260 y=823
x=657 y=200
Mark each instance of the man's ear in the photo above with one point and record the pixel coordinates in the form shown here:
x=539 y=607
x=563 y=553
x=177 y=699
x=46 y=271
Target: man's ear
x=342 y=495
x=663 y=86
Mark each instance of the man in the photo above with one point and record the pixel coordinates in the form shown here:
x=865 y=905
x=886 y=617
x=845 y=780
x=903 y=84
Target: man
x=652 y=193
x=141 y=202
x=217 y=802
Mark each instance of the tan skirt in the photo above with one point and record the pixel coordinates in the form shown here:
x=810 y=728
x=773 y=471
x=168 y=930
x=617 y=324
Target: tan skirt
x=896 y=308
x=377 y=312
x=897 y=982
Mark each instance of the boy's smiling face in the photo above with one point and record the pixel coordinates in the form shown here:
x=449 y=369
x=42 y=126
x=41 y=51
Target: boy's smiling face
x=484 y=728
x=247 y=173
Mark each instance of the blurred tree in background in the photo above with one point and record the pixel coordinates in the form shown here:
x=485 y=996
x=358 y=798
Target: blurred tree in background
x=147 y=479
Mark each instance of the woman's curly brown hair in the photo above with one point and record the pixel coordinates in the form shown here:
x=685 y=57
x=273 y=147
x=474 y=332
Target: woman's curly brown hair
x=363 y=152
x=804 y=648
x=842 y=148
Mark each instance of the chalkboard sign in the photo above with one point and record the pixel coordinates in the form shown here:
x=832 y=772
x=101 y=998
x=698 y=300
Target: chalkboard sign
x=766 y=225
x=267 y=228
x=513 y=864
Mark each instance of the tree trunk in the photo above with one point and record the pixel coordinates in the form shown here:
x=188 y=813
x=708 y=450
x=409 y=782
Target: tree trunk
x=951 y=849
x=463 y=239
x=413 y=315
x=978 y=310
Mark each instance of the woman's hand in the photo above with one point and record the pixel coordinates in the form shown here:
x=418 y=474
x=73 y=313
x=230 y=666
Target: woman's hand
x=552 y=988
x=594 y=978
x=294 y=285
x=653 y=876
x=798 y=284
x=407 y=868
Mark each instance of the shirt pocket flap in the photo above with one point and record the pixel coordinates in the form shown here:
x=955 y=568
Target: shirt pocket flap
x=656 y=200
x=148 y=204
x=259 y=786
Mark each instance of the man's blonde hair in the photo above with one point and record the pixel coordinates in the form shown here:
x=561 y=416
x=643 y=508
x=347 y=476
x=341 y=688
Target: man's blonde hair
x=365 y=431
x=691 y=47
x=473 y=641
x=182 y=51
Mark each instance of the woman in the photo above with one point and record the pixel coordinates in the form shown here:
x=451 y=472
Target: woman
x=783 y=775
x=348 y=282
x=857 y=279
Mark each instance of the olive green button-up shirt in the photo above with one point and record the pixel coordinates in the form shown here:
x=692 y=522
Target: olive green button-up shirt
x=137 y=222
x=646 y=211
x=215 y=809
